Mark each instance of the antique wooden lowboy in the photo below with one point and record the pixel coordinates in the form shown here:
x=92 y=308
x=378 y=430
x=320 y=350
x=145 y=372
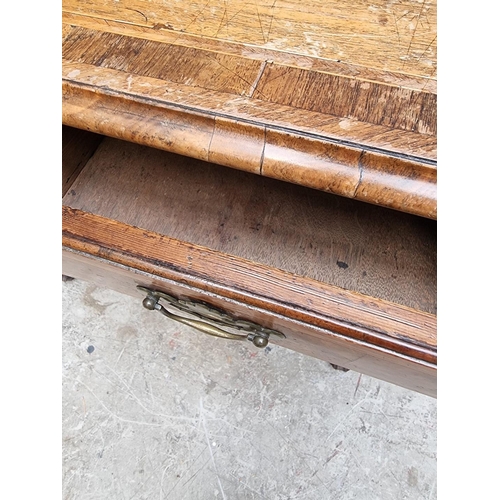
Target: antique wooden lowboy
x=264 y=171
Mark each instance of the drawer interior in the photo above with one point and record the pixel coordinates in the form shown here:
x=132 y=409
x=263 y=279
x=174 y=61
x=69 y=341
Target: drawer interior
x=356 y=246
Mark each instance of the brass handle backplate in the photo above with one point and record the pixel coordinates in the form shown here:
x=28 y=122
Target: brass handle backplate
x=253 y=332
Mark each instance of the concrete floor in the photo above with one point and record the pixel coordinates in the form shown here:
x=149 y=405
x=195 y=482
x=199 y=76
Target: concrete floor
x=155 y=410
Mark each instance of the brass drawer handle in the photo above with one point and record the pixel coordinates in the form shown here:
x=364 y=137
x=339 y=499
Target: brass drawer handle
x=253 y=332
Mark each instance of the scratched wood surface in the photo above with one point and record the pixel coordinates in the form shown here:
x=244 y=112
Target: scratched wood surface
x=389 y=35
x=354 y=75
x=296 y=87
x=371 y=250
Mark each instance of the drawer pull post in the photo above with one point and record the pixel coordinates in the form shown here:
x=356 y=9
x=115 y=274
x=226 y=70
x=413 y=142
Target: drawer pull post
x=253 y=332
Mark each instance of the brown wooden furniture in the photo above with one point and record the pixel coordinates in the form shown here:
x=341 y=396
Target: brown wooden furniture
x=323 y=228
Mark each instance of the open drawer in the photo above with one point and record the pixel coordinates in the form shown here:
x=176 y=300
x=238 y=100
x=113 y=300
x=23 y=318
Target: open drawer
x=344 y=281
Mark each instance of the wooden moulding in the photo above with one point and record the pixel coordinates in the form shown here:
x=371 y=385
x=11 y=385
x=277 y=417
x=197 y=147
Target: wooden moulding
x=373 y=176
x=318 y=319
x=245 y=109
x=357 y=131
x=368 y=176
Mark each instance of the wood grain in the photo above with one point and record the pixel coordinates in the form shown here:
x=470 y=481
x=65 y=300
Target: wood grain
x=347 y=313
x=391 y=36
x=374 y=251
x=300 y=88
x=259 y=53
x=408 y=185
x=139 y=89
x=337 y=97
x=369 y=176
x=340 y=96
x=154 y=65
x=174 y=63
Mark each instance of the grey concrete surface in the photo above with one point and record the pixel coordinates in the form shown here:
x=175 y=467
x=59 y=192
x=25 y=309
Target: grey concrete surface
x=155 y=410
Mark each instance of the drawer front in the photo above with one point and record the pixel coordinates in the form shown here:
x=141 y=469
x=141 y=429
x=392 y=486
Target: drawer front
x=300 y=336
